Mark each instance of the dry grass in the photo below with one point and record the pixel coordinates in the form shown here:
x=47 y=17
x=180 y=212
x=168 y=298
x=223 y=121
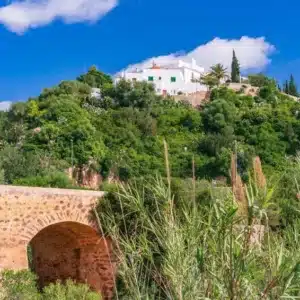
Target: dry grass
x=238 y=189
x=259 y=176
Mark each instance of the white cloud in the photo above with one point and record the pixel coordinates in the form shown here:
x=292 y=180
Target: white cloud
x=19 y=16
x=252 y=53
x=5 y=105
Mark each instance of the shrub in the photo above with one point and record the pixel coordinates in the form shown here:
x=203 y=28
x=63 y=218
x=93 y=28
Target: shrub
x=69 y=291
x=53 y=179
x=21 y=285
x=18 y=286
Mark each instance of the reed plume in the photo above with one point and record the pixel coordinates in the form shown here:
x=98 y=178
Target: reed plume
x=259 y=176
x=238 y=189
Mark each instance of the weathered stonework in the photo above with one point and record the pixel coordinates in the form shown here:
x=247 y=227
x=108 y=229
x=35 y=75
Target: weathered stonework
x=57 y=224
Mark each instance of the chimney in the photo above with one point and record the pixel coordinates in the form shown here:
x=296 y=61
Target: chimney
x=193 y=63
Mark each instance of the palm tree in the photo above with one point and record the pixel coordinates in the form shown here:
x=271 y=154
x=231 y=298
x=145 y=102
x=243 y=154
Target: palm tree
x=209 y=80
x=219 y=72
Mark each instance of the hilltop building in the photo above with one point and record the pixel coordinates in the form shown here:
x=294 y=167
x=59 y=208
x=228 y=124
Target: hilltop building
x=169 y=79
x=96 y=93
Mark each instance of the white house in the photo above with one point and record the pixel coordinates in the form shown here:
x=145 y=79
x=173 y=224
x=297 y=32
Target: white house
x=173 y=79
x=96 y=93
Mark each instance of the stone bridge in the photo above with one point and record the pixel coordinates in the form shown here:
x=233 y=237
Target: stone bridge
x=64 y=241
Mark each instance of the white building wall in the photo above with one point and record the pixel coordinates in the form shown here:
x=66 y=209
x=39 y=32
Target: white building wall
x=162 y=78
x=96 y=93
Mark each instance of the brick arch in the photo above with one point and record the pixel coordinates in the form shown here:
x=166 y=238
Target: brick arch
x=79 y=215
x=73 y=250
x=26 y=212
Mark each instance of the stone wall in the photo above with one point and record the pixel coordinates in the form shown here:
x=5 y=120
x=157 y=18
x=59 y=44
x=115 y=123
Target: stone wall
x=64 y=239
x=195 y=99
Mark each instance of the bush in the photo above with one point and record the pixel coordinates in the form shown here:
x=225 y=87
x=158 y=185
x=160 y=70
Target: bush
x=18 y=286
x=53 y=179
x=21 y=285
x=69 y=291
x=261 y=80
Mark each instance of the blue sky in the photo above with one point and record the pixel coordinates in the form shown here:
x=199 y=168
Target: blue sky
x=63 y=43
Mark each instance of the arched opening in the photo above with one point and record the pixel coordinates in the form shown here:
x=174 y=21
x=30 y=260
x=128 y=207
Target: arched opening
x=71 y=250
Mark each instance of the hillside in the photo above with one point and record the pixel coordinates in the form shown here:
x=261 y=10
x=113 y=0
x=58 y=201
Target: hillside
x=120 y=136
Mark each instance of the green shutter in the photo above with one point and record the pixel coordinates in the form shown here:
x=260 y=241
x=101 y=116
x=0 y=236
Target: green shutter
x=173 y=79
x=150 y=78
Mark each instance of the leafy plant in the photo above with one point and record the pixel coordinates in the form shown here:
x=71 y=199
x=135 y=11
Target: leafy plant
x=21 y=285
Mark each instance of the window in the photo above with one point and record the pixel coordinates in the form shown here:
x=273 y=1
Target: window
x=159 y=78
x=134 y=79
x=150 y=78
x=173 y=79
x=192 y=78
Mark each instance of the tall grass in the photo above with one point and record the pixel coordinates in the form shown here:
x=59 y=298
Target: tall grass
x=176 y=247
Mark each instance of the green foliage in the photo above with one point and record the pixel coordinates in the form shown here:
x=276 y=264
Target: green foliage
x=218 y=71
x=286 y=87
x=138 y=94
x=18 y=285
x=17 y=163
x=209 y=80
x=69 y=291
x=261 y=80
x=96 y=79
x=78 y=90
x=122 y=131
x=198 y=250
x=235 y=69
x=21 y=285
x=218 y=115
x=213 y=78
x=54 y=179
x=292 y=88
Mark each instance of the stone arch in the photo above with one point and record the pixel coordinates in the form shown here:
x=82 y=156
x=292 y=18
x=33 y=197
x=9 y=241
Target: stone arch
x=29 y=214
x=78 y=214
x=73 y=250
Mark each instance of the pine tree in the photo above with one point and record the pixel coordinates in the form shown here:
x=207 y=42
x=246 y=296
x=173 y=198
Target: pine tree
x=278 y=87
x=292 y=87
x=286 y=87
x=235 y=69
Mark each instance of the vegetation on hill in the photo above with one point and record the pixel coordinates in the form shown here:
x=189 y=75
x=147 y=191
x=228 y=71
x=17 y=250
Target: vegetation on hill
x=121 y=134
x=290 y=88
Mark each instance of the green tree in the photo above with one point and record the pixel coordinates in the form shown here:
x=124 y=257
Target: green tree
x=218 y=114
x=96 y=79
x=286 y=87
x=209 y=80
x=279 y=87
x=260 y=80
x=139 y=95
x=219 y=72
x=292 y=87
x=16 y=163
x=235 y=68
